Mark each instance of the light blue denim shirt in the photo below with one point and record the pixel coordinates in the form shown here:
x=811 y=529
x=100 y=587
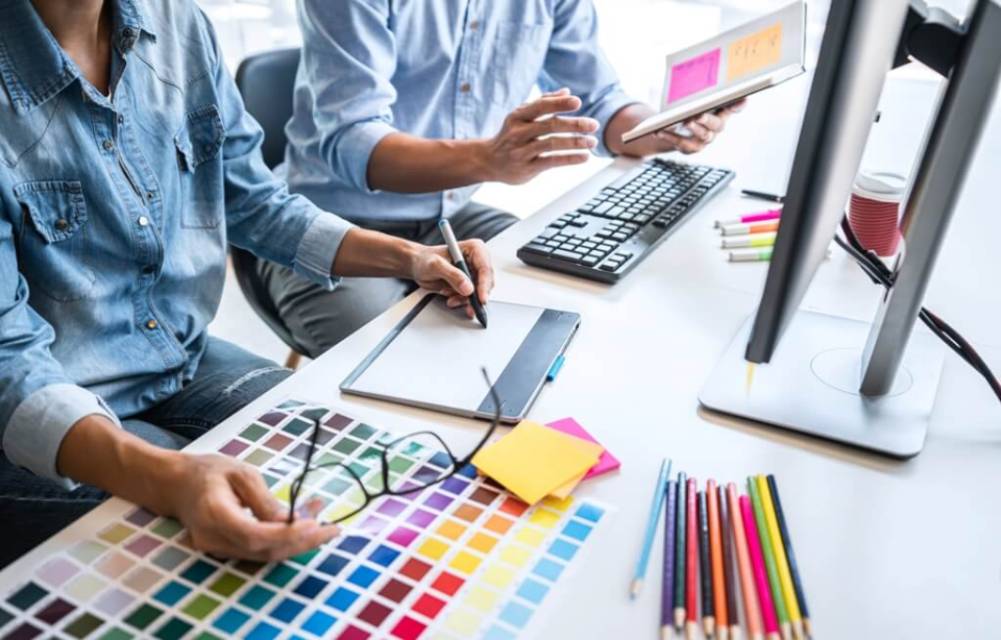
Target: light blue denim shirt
x=115 y=214
x=442 y=69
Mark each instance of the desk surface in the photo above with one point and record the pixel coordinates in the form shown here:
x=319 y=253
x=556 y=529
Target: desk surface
x=887 y=549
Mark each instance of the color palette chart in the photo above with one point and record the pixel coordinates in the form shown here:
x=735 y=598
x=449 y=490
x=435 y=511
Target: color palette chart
x=457 y=560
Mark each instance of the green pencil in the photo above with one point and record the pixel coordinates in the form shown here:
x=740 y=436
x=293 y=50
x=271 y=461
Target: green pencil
x=770 y=565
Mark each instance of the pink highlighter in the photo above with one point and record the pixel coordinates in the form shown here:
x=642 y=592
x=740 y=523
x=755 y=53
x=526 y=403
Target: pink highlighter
x=761 y=216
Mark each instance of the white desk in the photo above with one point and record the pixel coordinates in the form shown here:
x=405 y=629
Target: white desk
x=887 y=549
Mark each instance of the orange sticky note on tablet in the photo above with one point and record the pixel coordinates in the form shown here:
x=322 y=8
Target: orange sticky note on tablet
x=532 y=460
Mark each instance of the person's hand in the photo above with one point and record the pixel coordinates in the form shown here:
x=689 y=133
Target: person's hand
x=703 y=128
x=433 y=270
x=210 y=495
x=527 y=141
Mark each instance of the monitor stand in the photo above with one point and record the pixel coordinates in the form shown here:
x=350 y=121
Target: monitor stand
x=812 y=386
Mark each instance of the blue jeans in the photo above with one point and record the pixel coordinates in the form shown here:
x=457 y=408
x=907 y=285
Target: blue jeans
x=32 y=509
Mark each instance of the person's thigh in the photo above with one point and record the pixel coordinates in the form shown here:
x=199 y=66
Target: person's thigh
x=474 y=220
x=228 y=379
x=319 y=319
x=33 y=509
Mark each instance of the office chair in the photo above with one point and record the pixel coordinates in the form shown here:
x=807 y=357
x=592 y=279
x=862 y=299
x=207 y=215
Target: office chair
x=266 y=81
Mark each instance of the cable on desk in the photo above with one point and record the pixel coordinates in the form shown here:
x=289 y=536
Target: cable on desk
x=880 y=274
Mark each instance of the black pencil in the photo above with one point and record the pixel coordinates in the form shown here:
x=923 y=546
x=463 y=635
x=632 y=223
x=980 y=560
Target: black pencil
x=705 y=571
x=797 y=582
x=667 y=586
x=679 y=556
x=729 y=579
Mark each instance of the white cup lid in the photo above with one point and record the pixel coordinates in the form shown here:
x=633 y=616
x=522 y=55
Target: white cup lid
x=881 y=186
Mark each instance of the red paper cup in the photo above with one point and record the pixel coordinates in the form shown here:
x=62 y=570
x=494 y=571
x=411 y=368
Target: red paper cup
x=874 y=211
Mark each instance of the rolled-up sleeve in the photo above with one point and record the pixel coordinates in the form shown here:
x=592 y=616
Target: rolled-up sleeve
x=38 y=402
x=575 y=60
x=348 y=59
x=261 y=215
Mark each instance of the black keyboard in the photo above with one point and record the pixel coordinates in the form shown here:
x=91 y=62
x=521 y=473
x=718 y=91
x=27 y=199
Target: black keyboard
x=609 y=235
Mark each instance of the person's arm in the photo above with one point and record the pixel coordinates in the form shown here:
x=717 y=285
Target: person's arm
x=575 y=60
x=63 y=432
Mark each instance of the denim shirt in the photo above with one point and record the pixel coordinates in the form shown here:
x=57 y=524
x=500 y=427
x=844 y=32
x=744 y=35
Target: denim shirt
x=440 y=69
x=115 y=215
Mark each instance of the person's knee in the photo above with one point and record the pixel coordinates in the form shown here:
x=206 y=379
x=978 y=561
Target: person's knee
x=328 y=319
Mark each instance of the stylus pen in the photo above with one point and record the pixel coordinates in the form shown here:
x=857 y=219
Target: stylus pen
x=761 y=195
x=460 y=263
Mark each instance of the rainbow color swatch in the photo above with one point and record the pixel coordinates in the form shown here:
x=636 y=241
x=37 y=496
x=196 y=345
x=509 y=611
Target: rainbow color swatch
x=457 y=560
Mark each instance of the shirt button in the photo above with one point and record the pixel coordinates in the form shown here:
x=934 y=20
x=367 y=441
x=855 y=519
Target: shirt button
x=143 y=221
x=474 y=25
x=152 y=325
x=121 y=119
x=108 y=145
x=150 y=195
x=465 y=87
x=62 y=224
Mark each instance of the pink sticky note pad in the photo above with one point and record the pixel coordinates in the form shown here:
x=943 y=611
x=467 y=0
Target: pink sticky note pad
x=607 y=462
x=694 y=75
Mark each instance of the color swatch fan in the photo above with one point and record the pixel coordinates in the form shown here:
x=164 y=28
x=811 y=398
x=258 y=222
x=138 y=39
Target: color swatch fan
x=744 y=60
x=459 y=559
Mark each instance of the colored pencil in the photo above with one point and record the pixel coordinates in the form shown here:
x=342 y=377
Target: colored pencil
x=729 y=579
x=770 y=565
x=716 y=562
x=771 y=622
x=706 y=570
x=785 y=579
x=680 y=549
x=651 y=527
x=691 y=560
x=752 y=606
x=667 y=586
x=790 y=555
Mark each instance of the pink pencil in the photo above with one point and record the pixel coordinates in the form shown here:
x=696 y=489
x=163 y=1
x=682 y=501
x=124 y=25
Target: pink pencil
x=761 y=216
x=758 y=564
x=752 y=610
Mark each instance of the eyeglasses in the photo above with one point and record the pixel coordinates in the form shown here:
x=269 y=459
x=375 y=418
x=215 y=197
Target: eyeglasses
x=345 y=479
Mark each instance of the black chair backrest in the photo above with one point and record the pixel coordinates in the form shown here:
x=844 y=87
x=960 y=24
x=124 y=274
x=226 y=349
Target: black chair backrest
x=267 y=81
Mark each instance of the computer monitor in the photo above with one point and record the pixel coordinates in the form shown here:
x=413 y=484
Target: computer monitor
x=870 y=385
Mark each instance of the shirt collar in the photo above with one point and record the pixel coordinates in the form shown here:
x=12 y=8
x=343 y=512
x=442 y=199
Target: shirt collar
x=34 y=68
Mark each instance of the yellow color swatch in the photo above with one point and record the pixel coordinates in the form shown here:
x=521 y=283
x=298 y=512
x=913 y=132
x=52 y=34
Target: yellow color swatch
x=481 y=599
x=482 y=542
x=498 y=576
x=754 y=52
x=464 y=623
x=465 y=562
x=560 y=504
x=116 y=533
x=513 y=554
x=544 y=518
x=451 y=529
x=433 y=549
x=531 y=536
x=532 y=461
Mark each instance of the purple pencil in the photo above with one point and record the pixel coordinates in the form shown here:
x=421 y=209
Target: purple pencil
x=667 y=587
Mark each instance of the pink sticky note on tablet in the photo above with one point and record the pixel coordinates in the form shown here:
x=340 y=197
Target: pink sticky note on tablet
x=607 y=462
x=694 y=75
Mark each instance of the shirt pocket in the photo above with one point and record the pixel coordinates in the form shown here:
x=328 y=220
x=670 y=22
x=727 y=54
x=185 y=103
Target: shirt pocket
x=53 y=248
x=199 y=159
x=518 y=55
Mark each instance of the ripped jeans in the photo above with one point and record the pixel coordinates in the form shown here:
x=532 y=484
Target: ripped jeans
x=32 y=509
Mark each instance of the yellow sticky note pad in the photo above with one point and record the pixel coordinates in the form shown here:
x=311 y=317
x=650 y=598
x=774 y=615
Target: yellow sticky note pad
x=532 y=461
x=565 y=490
x=754 y=52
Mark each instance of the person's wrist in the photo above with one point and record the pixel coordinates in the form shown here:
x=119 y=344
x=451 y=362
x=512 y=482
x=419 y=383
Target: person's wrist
x=481 y=157
x=160 y=473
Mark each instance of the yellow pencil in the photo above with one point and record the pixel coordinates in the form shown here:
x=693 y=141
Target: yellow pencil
x=785 y=577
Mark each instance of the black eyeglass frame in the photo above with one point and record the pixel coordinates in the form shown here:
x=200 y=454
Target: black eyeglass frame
x=456 y=463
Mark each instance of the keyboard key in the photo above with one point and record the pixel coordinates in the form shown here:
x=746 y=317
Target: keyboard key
x=537 y=248
x=589 y=261
x=602 y=208
x=569 y=256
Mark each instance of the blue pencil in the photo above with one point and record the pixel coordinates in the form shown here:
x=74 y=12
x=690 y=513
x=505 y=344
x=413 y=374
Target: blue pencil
x=651 y=527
